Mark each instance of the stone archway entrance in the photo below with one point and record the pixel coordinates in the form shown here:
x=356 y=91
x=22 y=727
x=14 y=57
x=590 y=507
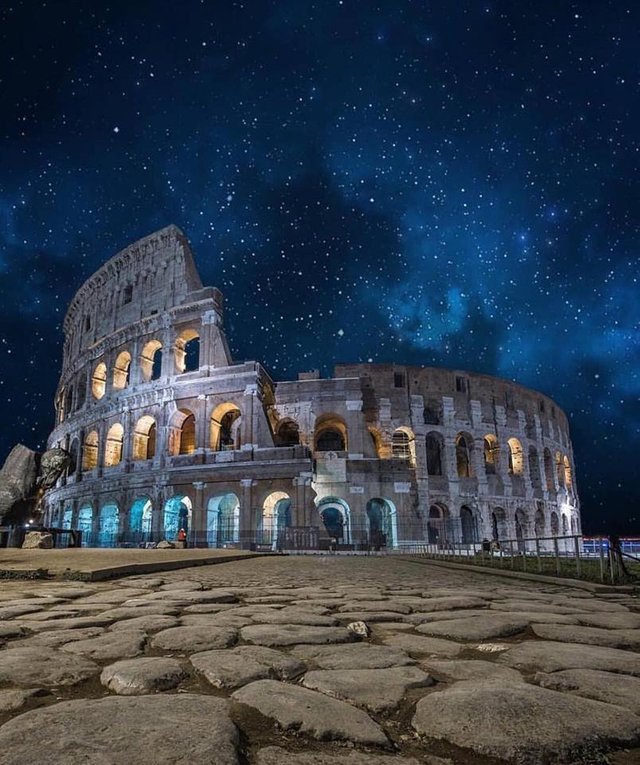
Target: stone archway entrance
x=383 y=524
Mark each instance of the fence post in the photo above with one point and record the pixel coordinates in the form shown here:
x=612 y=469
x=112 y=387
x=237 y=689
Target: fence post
x=524 y=555
x=613 y=577
x=601 y=562
x=513 y=563
x=538 y=555
x=577 y=548
x=556 y=553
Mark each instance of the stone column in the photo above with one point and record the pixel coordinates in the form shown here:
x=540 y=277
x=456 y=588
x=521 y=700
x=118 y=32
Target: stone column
x=246 y=506
x=356 y=428
x=248 y=426
x=198 y=516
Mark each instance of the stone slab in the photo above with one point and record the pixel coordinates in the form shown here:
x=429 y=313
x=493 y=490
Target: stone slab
x=550 y=656
x=293 y=634
x=419 y=645
x=629 y=639
x=376 y=689
x=471 y=669
x=353 y=656
x=324 y=718
x=109 y=646
x=275 y=755
x=559 y=727
x=623 y=690
x=41 y=666
x=179 y=729
x=193 y=639
x=245 y=664
x=476 y=627
x=134 y=677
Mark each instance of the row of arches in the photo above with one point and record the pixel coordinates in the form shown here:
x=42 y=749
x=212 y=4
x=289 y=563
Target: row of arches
x=557 y=465
x=186 y=352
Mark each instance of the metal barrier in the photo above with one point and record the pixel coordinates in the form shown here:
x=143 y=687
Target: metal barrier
x=562 y=556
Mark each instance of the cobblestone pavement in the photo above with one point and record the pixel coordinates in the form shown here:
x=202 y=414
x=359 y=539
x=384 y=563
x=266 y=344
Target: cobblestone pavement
x=317 y=661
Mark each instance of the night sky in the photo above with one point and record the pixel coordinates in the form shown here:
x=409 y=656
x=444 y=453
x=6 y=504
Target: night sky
x=434 y=183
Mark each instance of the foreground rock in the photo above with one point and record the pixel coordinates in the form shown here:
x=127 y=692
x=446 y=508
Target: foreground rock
x=192 y=639
x=138 y=676
x=29 y=667
x=377 y=689
x=291 y=634
x=548 y=656
x=417 y=645
x=13 y=700
x=476 y=627
x=245 y=664
x=309 y=712
x=611 y=688
x=354 y=656
x=275 y=755
x=528 y=724
x=153 y=730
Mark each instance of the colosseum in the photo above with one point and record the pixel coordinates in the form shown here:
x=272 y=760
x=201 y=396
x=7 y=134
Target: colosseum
x=167 y=432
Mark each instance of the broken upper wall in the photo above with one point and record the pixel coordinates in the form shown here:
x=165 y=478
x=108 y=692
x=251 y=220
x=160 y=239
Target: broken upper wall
x=147 y=278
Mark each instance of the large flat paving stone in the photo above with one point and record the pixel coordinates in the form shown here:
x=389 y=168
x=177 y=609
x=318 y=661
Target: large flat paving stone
x=419 y=645
x=376 y=689
x=322 y=717
x=589 y=603
x=150 y=623
x=134 y=677
x=476 y=627
x=344 y=617
x=275 y=755
x=110 y=646
x=182 y=729
x=227 y=619
x=59 y=637
x=133 y=612
x=292 y=634
x=452 y=603
x=376 y=605
x=245 y=664
x=41 y=666
x=206 y=596
x=609 y=621
x=471 y=669
x=291 y=616
x=589 y=635
x=523 y=723
x=118 y=595
x=623 y=690
x=353 y=656
x=72 y=623
x=550 y=656
x=193 y=639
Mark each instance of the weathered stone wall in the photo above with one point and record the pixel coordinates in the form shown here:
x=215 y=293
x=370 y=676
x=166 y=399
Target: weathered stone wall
x=144 y=429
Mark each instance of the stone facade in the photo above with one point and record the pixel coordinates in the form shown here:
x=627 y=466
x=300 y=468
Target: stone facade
x=167 y=432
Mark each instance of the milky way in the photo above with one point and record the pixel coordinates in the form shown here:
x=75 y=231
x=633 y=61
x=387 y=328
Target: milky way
x=432 y=183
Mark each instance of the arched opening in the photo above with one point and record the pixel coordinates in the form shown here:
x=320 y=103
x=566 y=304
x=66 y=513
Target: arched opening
x=376 y=440
x=81 y=393
x=516 y=462
x=534 y=468
x=463 y=455
x=187 y=351
x=67 y=517
x=287 y=433
x=85 y=523
x=276 y=516
x=555 y=524
x=177 y=516
x=68 y=402
x=140 y=519
x=223 y=520
x=335 y=516
x=565 y=525
x=468 y=532
x=121 y=371
x=431 y=413
x=225 y=428
x=330 y=434
x=182 y=433
x=539 y=524
x=568 y=474
x=491 y=453
x=548 y=470
x=144 y=438
x=560 y=470
x=90 y=451
x=522 y=526
x=73 y=457
x=109 y=520
x=435 y=444
x=498 y=524
x=383 y=523
x=436 y=524
x=401 y=442
x=99 y=380
x=113 y=448
x=151 y=360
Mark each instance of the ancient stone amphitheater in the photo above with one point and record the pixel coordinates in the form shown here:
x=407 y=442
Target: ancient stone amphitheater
x=167 y=432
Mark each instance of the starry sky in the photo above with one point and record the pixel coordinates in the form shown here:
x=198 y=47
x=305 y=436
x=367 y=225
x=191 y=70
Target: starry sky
x=434 y=183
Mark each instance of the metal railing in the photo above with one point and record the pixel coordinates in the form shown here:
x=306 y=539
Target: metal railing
x=562 y=556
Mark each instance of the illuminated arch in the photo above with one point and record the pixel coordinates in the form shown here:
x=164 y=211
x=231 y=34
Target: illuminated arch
x=187 y=351
x=491 y=452
x=113 y=448
x=516 y=459
x=151 y=360
x=144 y=438
x=121 y=370
x=224 y=427
x=182 y=433
x=330 y=434
x=99 y=380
